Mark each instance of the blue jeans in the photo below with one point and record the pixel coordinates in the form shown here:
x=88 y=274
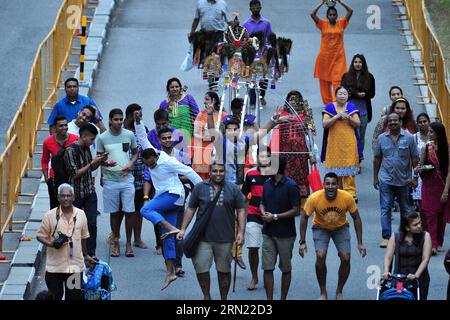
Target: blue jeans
x=163 y=208
x=387 y=194
x=179 y=244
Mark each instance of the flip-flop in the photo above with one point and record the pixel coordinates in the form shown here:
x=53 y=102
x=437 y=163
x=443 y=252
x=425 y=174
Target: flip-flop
x=180 y=272
x=129 y=254
x=115 y=251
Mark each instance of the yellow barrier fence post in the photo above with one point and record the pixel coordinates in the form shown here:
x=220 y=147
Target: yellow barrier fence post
x=83 y=46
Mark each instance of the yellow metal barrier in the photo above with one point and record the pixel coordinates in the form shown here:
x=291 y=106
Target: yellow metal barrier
x=51 y=57
x=433 y=60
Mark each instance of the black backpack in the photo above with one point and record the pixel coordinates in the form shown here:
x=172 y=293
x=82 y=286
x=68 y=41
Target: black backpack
x=61 y=174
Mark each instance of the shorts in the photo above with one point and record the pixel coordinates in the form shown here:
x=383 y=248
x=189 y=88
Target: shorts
x=273 y=246
x=206 y=251
x=341 y=238
x=253 y=234
x=118 y=196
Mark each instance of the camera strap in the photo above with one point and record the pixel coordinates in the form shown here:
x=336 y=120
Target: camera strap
x=58 y=215
x=73 y=229
x=57 y=221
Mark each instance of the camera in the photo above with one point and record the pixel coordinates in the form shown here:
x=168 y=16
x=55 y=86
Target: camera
x=60 y=241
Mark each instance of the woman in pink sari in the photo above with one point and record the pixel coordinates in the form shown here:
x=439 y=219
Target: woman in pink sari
x=435 y=185
x=291 y=140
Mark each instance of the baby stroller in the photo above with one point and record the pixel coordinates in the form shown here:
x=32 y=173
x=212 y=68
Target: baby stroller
x=398 y=287
x=98 y=282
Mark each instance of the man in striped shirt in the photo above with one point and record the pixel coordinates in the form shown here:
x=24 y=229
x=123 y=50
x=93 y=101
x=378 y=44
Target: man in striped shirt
x=253 y=186
x=80 y=164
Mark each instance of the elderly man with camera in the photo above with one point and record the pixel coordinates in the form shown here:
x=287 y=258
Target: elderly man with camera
x=64 y=231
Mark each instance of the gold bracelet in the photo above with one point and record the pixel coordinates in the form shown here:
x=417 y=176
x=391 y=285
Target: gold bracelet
x=146 y=197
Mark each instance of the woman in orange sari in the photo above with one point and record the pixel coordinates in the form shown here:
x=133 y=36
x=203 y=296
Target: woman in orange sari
x=331 y=62
x=202 y=146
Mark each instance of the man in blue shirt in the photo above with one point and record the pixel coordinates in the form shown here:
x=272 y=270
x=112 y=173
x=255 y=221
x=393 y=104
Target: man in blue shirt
x=395 y=155
x=280 y=204
x=71 y=104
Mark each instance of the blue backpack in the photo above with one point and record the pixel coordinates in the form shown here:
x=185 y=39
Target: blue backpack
x=98 y=283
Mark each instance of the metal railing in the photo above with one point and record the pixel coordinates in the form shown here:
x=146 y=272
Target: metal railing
x=435 y=71
x=51 y=57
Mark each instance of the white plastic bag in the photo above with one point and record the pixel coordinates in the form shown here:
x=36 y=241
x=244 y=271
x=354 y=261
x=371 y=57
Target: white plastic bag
x=188 y=60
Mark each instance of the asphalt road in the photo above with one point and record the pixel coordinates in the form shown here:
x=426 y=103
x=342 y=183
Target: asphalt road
x=146 y=45
x=25 y=23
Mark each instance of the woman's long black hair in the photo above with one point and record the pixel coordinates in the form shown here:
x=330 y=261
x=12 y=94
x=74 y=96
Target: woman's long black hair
x=442 y=145
x=405 y=221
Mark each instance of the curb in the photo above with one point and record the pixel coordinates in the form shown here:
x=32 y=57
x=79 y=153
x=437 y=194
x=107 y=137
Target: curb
x=29 y=254
x=95 y=43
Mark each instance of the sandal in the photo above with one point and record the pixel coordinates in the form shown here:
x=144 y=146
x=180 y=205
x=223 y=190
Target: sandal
x=115 y=248
x=179 y=272
x=129 y=252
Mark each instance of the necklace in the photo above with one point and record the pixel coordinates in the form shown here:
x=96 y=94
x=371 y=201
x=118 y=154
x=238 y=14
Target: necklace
x=236 y=41
x=342 y=108
x=173 y=104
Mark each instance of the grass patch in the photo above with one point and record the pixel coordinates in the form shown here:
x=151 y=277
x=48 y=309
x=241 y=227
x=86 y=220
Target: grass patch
x=439 y=11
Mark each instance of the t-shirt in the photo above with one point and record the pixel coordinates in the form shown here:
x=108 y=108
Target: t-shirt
x=50 y=148
x=254 y=184
x=213 y=15
x=221 y=224
x=262 y=24
x=117 y=146
x=330 y=214
x=278 y=199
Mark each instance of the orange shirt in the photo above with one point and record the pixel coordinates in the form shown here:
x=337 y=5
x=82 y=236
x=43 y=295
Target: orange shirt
x=59 y=260
x=201 y=158
x=330 y=214
x=331 y=63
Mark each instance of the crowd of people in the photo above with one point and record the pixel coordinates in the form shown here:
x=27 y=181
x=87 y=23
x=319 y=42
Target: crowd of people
x=199 y=162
